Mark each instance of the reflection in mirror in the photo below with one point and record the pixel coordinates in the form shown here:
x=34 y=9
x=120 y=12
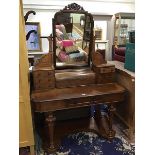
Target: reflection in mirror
x=72 y=35
x=71 y=41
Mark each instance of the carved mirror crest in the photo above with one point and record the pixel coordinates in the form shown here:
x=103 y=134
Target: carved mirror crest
x=72 y=37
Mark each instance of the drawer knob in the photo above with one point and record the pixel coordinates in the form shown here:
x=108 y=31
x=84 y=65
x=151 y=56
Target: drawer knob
x=49 y=80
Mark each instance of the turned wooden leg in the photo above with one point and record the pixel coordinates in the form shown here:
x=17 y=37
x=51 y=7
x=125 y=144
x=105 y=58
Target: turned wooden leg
x=101 y=122
x=92 y=122
x=50 y=119
x=131 y=128
x=98 y=116
x=111 y=133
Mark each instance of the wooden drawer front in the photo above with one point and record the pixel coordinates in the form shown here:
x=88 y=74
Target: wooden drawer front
x=44 y=83
x=107 y=70
x=43 y=74
x=43 y=79
x=104 y=69
x=105 y=78
x=43 y=87
x=62 y=104
x=75 y=103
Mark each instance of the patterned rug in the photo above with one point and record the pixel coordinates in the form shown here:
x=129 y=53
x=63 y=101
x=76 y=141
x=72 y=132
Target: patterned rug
x=88 y=143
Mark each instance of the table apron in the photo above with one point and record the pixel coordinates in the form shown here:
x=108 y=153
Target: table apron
x=54 y=105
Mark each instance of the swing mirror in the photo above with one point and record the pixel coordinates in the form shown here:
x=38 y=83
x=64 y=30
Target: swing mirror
x=72 y=37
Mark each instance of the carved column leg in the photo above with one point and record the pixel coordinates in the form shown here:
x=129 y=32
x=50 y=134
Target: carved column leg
x=101 y=122
x=50 y=119
x=92 y=121
x=111 y=133
x=98 y=116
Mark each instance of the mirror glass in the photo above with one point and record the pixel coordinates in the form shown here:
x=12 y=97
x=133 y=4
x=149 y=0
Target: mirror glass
x=72 y=39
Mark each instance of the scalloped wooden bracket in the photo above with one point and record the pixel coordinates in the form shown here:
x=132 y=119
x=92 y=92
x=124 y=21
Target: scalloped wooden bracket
x=45 y=61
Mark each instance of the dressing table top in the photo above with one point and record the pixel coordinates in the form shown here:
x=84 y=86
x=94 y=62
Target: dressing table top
x=77 y=92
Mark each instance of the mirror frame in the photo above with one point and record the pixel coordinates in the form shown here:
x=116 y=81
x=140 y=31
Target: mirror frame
x=73 y=8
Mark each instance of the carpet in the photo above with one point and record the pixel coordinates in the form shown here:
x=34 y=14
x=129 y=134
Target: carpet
x=89 y=143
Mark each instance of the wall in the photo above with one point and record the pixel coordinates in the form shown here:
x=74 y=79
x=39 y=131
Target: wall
x=45 y=19
x=101 y=9
x=93 y=6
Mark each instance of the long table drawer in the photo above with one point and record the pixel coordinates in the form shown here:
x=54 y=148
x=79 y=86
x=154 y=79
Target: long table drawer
x=75 y=103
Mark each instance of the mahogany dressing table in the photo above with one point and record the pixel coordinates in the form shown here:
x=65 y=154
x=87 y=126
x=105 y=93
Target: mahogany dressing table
x=73 y=84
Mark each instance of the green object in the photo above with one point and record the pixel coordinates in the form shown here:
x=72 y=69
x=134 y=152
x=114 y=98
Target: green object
x=130 y=57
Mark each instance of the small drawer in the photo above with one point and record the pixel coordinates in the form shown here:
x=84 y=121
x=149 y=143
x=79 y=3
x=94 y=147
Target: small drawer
x=44 y=83
x=43 y=74
x=105 y=70
x=50 y=73
x=112 y=69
